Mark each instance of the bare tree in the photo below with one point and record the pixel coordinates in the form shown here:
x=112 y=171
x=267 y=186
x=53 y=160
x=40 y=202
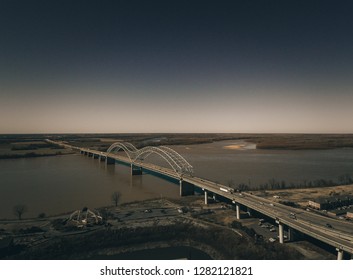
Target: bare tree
x=230 y=183
x=19 y=209
x=115 y=198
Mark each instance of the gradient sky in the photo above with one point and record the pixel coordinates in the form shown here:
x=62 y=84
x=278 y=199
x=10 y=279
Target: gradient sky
x=176 y=66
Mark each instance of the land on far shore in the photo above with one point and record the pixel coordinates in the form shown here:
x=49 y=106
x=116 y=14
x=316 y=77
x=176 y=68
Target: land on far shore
x=33 y=145
x=25 y=147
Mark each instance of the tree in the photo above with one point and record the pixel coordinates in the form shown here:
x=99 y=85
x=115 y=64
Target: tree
x=115 y=198
x=231 y=183
x=242 y=187
x=19 y=210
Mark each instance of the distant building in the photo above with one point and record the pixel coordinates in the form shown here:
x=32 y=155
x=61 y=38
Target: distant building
x=337 y=212
x=331 y=202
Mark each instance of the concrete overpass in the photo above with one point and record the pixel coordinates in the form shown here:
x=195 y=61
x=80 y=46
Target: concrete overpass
x=339 y=236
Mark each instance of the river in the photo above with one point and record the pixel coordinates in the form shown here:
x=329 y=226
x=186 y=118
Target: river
x=66 y=183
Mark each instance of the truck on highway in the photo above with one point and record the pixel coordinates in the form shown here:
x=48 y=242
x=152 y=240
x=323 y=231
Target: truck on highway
x=226 y=189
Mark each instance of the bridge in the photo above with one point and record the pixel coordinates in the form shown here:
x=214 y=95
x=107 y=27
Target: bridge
x=339 y=236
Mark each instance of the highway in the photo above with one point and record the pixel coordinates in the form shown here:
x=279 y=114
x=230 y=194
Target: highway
x=339 y=236
x=311 y=224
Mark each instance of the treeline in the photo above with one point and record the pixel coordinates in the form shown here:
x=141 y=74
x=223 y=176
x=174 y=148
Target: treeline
x=274 y=184
x=225 y=242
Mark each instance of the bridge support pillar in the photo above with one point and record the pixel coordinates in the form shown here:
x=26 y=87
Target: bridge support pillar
x=291 y=234
x=206 y=197
x=339 y=254
x=136 y=170
x=101 y=158
x=280 y=231
x=237 y=209
x=90 y=154
x=95 y=156
x=81 y=152
x=186 y=188
x=248 y=210
x=109 y=160
x=85 y=153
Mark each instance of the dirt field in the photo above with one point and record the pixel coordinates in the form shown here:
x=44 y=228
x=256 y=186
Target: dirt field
x=301 y=196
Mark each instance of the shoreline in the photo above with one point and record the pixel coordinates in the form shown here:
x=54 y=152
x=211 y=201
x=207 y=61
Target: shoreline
x=32 y=155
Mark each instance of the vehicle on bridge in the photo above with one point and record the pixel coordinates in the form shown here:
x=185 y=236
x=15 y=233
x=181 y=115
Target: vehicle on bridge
x=226 y=189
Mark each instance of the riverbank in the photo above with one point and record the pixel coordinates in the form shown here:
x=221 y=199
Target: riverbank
x=23 y=147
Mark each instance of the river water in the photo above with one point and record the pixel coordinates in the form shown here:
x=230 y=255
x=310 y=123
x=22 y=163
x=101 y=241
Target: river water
x=245 y=164
x=66 y=183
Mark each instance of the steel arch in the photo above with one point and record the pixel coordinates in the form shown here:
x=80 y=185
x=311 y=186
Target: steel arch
x=178 y=163
x=175 y=160
x=179 y=158
x=128 y=148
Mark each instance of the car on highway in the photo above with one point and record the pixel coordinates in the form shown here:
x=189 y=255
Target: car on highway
x=328 y=225
x=293 y=216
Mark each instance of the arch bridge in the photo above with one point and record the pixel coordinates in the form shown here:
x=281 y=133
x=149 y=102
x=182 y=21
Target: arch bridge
x=176 y=161
x=339 y=236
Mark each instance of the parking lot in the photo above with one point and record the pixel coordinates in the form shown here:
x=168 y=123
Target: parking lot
x=262 y=227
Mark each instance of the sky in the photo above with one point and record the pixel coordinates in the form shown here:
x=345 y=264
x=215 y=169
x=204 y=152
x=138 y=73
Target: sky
x=242 y=66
